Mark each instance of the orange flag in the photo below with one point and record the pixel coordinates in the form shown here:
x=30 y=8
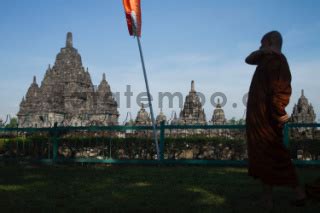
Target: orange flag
x=133 y=15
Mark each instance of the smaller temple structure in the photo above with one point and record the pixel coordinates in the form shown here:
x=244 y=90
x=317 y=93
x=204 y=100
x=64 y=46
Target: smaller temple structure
x=143 y=117
x=192 y=112
x=161 y=117
x=175 y=120
x=303 y=112
x=218 y=116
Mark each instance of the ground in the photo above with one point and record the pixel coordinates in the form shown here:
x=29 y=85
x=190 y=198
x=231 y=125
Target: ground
x=139 y=189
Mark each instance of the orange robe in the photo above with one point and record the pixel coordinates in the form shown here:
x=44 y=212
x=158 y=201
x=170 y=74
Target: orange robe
x=269 y=94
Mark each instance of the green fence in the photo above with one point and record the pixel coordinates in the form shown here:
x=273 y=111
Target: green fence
x=46 y=143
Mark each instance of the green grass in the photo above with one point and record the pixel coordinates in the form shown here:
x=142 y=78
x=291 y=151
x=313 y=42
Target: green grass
x=139 y=189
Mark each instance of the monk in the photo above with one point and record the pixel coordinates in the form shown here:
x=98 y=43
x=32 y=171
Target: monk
x=269 y=94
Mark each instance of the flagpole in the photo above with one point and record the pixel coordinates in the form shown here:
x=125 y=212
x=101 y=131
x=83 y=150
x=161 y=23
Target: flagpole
x=132 y=8
x=149 y=98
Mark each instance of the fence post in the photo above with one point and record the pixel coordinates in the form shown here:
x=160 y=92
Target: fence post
x=162 y=135
x=286 y=135
x=49 y=149
x=55 y=144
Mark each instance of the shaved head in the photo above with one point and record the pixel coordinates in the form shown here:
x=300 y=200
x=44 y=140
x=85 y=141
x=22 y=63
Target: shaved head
x=272 y=39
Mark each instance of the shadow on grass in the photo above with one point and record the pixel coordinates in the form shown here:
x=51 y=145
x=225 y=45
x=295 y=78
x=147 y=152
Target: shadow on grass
x=134 y=188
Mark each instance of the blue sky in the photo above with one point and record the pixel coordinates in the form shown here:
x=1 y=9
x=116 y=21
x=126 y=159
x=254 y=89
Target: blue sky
x=204 y=40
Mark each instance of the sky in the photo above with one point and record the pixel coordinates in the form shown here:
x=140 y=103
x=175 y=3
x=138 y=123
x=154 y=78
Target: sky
x=204 y=40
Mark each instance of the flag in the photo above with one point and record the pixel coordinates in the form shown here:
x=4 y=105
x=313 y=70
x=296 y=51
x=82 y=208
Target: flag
x=133 y=16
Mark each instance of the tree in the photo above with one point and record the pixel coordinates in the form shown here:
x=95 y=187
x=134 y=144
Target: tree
x=232 y=121
x=241 y=121
x=13 y=123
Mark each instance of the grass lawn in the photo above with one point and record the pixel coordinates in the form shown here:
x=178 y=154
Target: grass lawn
x=139 y=189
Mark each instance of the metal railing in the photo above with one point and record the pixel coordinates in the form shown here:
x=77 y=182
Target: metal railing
x=55 y=136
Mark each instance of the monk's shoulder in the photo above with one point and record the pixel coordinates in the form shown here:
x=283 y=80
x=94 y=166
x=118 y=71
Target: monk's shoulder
x=273 y=61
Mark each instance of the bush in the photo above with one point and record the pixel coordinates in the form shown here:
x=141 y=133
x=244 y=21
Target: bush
x=135 y=147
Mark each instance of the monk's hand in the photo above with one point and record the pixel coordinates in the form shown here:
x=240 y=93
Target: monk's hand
x=265 y=50
x=283 y=119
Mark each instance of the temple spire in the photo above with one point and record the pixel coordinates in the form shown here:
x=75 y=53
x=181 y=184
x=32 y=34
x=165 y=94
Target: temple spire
x=302 y=92
x=192 y=86
x=34 y=79
x=69 y=40
x=103 y=76
x=48 y=69
x=218 y=105
x=161 y=112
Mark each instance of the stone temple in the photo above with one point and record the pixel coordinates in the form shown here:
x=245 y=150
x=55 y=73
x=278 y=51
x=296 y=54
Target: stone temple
x=143 y=118
x=161 y=118
x=192 y=112
x=67 y=97
x=218 y=116
x=175 y=120
x=303 y=112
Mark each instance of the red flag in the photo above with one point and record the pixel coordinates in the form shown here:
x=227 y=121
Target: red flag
x=133 y=15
